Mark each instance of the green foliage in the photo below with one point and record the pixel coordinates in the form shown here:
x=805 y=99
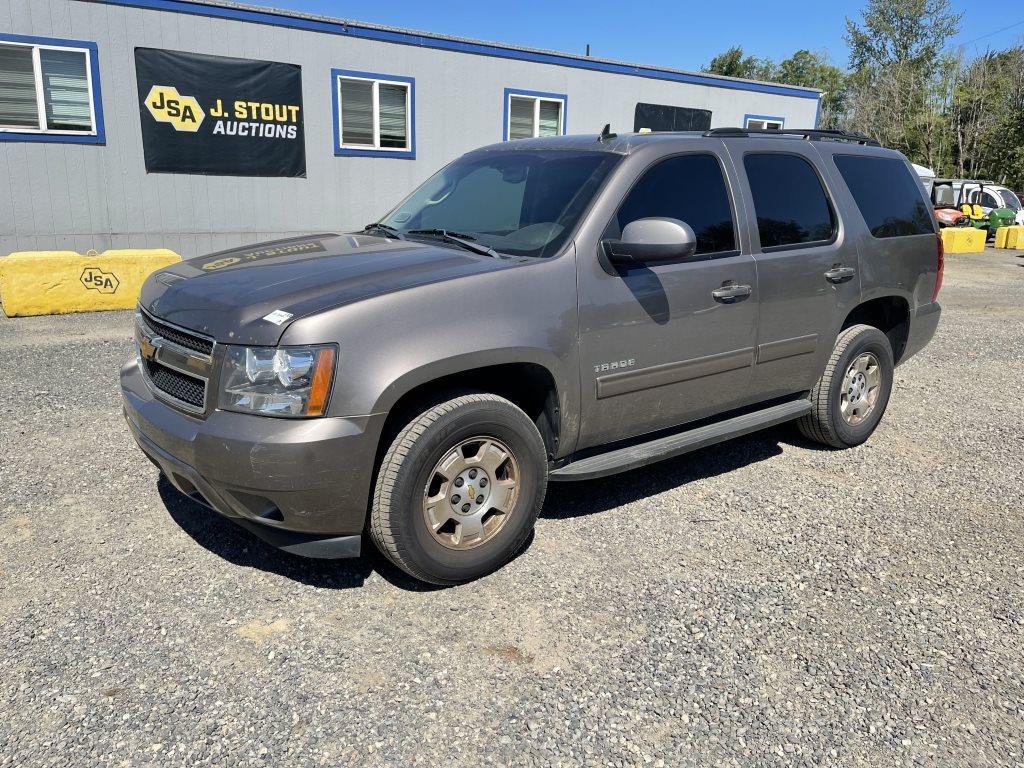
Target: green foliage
x=804 y=67
x=962 y=118
x=903 y=33
x=813 y=70
x=986 y=116
x=732 y=63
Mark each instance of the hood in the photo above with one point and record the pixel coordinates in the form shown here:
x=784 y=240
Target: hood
x=228 y=295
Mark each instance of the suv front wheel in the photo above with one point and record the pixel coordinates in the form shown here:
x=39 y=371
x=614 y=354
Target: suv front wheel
x=459 y=490
x=849 y=399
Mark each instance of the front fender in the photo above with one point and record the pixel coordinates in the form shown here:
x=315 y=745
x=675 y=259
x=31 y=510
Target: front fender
x=470 y=361
x=393 y=343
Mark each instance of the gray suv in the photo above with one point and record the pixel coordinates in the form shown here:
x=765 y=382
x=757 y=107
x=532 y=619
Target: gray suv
x=539 y=310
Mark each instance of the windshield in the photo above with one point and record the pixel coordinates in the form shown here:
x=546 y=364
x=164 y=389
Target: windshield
x=1010 y=200
x=517 y=202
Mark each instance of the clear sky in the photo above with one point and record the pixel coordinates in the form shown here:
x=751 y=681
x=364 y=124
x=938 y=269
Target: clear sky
x=668 y=33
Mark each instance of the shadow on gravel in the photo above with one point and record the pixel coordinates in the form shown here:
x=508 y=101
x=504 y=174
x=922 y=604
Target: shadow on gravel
x=568 y=500
x=239 y=547
x=564 y=501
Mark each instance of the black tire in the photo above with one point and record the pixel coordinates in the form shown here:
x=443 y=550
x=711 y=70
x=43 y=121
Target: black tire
x=825 y=424
x=397 y=524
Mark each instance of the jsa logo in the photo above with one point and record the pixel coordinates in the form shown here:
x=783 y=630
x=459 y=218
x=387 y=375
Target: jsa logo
x=95 y=279
x=168 y=106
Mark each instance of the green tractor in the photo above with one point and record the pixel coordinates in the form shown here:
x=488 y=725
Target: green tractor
x=975 y=202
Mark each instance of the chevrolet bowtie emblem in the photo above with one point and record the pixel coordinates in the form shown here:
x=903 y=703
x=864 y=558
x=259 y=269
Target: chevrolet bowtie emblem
x=148 y=348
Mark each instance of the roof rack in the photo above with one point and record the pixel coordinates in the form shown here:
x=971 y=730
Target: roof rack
x=854 y=137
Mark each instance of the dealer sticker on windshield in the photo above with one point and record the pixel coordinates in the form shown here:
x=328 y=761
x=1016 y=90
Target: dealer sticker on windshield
x=278 y=316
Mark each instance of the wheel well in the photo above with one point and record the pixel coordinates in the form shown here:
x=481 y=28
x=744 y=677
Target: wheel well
x=528 y=385
x=890 y=315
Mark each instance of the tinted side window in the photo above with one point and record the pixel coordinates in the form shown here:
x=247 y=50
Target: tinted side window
x=888 y=196
x=789 y=200
x=690 y=188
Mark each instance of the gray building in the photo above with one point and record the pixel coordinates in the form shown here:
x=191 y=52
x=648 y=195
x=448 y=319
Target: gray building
x=83 y=133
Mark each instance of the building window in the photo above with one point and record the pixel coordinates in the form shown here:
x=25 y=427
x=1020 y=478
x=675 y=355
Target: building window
x=49 y=90
x=529 y=114
x=373 y=114
x=762 y=122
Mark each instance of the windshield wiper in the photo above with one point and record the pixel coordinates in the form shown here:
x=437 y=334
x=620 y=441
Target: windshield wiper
x=458 y=238
x=389 y=231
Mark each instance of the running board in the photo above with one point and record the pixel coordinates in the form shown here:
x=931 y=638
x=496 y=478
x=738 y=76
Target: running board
x=634 y=456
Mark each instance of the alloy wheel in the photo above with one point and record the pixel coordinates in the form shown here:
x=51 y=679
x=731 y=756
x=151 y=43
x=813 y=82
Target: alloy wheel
x=861 y=386
x=471 y=493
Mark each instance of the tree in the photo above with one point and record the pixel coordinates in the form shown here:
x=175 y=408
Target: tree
x=732 y=63
x=900 y=32
x=806 y=68
x=895 y=59
x=961 y=117
x=1005 y=144
x=813 y=70
x=985 y=117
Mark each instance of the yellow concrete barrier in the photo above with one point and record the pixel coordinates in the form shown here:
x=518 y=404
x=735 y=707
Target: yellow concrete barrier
x=963 y=239
x=55 y=282
x=1010 y=237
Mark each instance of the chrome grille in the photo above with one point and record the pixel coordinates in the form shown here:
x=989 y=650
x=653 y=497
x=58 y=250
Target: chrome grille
x=180 y=386
x=178 y=336
x=178 y=364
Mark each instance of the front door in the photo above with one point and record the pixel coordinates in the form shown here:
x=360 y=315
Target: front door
x=672 y=343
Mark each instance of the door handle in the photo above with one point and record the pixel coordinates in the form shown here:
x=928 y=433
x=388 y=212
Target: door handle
x=727 y=294
x=840 y=274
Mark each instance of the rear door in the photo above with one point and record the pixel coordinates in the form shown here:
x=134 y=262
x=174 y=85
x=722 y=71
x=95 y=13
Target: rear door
x=895 y=223
x=807 y=265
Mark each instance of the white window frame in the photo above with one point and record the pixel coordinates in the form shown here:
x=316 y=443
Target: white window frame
x=375 y=147
x=37 y=71
x=536 y=112
x=774 y=123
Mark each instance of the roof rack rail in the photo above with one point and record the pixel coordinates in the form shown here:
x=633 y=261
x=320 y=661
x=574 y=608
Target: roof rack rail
x=811 y=134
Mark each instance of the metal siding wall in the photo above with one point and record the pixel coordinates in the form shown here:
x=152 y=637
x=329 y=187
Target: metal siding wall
x=82 y=196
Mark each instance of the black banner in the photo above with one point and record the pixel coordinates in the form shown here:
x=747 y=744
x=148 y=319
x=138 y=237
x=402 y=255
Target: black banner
x=220 y=116
x=661 y=117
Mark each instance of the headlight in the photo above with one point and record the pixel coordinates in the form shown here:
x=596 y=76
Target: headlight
x=277 y=381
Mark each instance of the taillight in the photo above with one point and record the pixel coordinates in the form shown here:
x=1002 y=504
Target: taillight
x=940 y=254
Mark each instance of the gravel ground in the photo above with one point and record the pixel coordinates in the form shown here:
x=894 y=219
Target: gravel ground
x=761 y=602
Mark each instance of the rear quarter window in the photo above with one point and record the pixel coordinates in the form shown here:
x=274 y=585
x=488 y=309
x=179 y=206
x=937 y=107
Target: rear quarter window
x=887 y=194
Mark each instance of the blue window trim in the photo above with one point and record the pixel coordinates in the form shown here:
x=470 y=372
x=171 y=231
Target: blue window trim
x=538 y=95
x=777 y=118
x=100 y=137
x=281 y=19
x=339 y=151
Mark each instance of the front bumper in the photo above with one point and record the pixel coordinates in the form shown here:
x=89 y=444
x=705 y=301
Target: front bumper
x=302 y=485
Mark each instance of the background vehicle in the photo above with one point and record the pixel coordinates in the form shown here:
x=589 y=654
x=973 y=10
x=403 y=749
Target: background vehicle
x=926 y=175
x=944 y=200
x=995 y=198
x=541 y=310
x=986 y=205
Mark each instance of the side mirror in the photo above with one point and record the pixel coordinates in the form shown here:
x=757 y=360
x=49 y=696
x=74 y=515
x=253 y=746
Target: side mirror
x=651 y=241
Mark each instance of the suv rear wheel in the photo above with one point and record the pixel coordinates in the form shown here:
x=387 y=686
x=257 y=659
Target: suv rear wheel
x=459 y=490
x=850 y=397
